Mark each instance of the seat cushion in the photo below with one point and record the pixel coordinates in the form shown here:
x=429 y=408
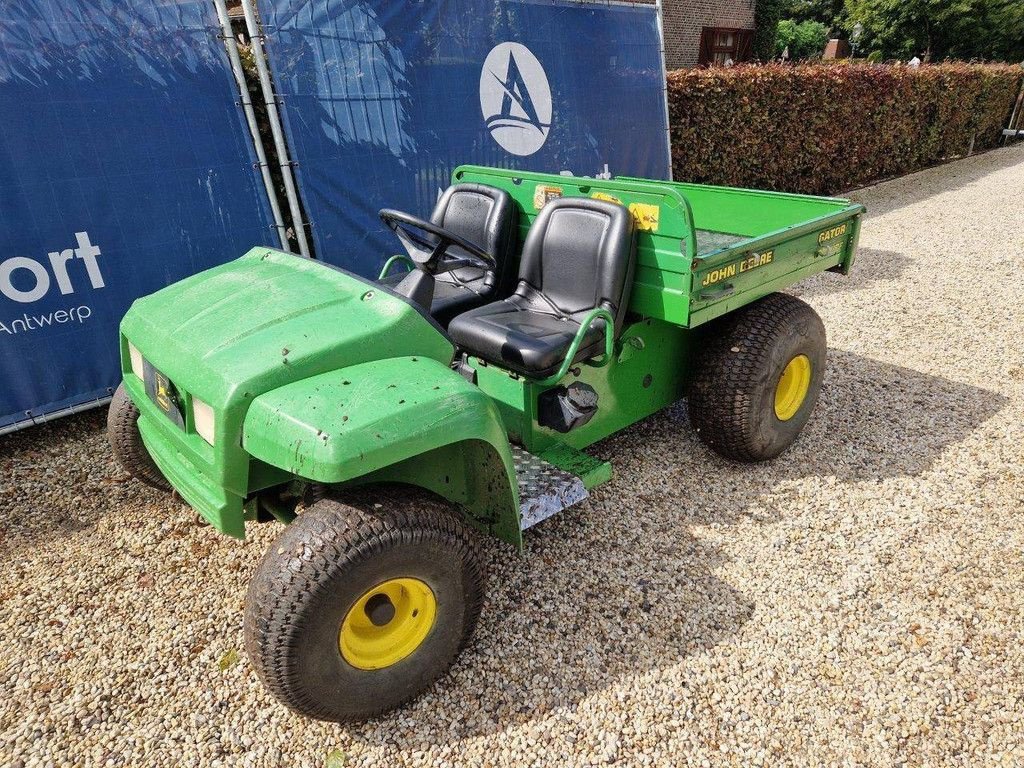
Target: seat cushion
x=580 y=254
x=453 y=296
x=518 y=336
x=454 y=292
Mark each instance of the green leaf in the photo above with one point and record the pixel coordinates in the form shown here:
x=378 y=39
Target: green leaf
x=228 y=660
x=336 y=759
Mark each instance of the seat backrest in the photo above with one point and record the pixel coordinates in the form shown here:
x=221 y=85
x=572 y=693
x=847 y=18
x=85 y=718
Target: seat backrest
x=580 y=254
x=487 y=217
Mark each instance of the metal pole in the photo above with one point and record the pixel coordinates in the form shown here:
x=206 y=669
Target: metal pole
x=256 y=39
x=32 y=421
x=250 y=118
x=1013 y=128
x=664 y=79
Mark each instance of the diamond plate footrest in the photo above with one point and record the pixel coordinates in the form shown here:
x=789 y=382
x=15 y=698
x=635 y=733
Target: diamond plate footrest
x=544 y=489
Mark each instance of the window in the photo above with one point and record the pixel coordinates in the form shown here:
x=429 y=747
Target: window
x=719 y=46
x=723 y=46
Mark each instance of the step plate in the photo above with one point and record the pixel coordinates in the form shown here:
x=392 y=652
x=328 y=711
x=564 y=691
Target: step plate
x=544 y=489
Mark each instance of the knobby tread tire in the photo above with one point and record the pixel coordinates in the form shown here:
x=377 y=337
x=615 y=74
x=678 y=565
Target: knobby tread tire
x=126 y=442
x=739 y=362
x=306 y=572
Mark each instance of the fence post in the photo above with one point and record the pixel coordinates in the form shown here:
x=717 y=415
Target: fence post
x=256 y=39
x=250 y=118
x=664 y=78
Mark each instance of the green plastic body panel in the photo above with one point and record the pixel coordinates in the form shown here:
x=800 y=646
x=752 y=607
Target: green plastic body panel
x=776 y=232
x=590 y=470
x=649 y=371
x=237 y=331
x=408 y=412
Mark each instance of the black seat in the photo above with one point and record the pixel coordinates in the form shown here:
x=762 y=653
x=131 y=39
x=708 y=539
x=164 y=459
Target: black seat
x=578 y=255
x=486 y=217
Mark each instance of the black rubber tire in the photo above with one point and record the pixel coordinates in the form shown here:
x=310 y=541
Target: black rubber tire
x=319 y=566
x=126 y=442
x=739 y=362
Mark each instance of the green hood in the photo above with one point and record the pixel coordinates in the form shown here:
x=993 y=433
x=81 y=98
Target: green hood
x=271 y=318
x=238 y=331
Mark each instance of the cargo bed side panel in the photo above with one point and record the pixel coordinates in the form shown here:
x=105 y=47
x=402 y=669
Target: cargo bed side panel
x=738 y=276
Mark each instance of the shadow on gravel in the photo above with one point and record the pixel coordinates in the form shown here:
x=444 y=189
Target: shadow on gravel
x=620 y=586
x=872 y=266
x=59 y=479
x=937 y=180
x=876 y=420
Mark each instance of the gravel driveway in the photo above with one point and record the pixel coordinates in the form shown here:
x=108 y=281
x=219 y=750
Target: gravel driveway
x=858 y=601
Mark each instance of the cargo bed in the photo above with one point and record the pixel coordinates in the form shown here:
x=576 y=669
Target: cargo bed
x=702 y=251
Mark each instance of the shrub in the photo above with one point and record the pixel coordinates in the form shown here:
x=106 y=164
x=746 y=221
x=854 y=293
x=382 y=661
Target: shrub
x=824 y=128
x=805 y=40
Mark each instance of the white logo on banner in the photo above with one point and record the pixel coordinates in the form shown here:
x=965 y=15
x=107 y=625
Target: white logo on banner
x=25 y=281
x=515 y=99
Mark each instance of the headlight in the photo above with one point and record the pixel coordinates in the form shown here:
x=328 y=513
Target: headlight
x=202 y=415
x=136 y=358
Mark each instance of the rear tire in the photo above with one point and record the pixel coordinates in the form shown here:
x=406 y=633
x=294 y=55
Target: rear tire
x=758 y=377
x=126 y=442
x=318 y=629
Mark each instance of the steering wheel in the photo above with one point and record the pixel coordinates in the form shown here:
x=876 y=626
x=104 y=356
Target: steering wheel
x=427 y=244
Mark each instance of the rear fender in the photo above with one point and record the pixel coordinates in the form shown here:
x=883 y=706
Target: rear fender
x=406 y=419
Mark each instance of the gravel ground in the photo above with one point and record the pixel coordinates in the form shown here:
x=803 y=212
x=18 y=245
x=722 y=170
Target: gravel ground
x=856 y=602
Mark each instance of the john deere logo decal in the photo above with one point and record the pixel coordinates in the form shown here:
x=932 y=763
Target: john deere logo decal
x=163 y=393
x=515 y=99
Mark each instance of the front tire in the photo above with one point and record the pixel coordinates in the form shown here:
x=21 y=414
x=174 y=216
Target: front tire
x=758 y=377
x=126 y=442
x=352 y=613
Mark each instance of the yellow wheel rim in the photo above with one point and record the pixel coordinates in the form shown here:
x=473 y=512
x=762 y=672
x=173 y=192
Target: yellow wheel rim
x=791 y=391
x=387 y=623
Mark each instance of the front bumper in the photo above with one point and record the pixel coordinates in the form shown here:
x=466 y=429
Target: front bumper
x=171 y=449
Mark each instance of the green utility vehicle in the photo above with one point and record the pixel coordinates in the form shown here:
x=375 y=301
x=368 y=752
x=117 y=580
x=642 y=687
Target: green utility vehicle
x=386 y=420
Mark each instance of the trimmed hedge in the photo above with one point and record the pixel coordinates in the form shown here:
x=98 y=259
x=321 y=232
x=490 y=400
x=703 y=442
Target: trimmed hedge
x=824 y=128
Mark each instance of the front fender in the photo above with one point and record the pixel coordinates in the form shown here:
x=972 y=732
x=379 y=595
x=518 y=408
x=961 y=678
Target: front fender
x=403 y=419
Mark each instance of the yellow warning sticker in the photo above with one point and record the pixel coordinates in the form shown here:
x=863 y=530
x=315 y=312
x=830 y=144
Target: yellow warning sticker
x=646 y=215
x=542 y=194
x=607 y=197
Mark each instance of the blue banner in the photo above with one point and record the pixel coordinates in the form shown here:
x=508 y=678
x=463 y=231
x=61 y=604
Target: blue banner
x=125 y=165
x=383 y=99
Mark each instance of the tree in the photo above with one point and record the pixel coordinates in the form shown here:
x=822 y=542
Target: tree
x=766 y=19
x=805 y=40
x=940 y=29
x=828 y=12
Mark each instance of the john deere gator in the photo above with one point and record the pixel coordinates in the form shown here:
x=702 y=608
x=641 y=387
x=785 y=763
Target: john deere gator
x=529 y=317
